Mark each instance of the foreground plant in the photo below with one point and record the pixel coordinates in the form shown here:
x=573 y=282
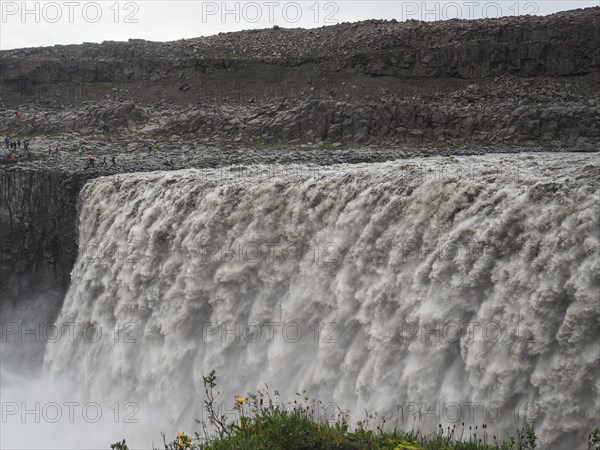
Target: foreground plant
x=267 y=423
x=119 y=446
x=594 y=440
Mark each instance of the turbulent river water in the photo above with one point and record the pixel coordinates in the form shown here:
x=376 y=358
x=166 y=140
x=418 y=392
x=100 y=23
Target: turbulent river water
x=440 y=290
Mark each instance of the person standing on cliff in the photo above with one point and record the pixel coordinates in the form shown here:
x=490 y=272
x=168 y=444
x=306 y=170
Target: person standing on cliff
x=6 y=141
x=113 y=160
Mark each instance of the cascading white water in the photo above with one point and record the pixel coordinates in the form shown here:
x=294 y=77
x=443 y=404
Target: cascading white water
x=453 y=285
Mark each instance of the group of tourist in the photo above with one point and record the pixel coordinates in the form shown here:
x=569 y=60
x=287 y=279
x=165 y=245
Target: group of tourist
x=91 y=161
x=14 y=145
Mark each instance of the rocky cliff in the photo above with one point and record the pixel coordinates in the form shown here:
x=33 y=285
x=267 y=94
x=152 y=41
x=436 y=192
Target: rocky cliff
x=38 y=234
x=539 y=112
x=507 y=81
x=557 y=45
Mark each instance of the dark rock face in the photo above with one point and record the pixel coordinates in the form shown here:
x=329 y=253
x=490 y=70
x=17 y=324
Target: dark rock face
x=39 y=235
x=395 y=123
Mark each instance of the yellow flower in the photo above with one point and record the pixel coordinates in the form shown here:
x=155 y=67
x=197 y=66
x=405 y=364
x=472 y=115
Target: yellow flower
x=184 y=440
x=241 y=400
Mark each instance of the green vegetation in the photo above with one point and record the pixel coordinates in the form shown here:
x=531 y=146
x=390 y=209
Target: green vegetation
x=264 y=423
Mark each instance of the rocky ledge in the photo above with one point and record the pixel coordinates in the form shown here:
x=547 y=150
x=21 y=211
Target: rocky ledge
x=500 y=112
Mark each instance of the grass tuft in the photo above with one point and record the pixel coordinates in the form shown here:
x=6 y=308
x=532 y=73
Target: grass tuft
x=265 y=423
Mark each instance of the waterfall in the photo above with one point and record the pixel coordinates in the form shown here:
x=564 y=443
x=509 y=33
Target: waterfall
x=445 y=286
